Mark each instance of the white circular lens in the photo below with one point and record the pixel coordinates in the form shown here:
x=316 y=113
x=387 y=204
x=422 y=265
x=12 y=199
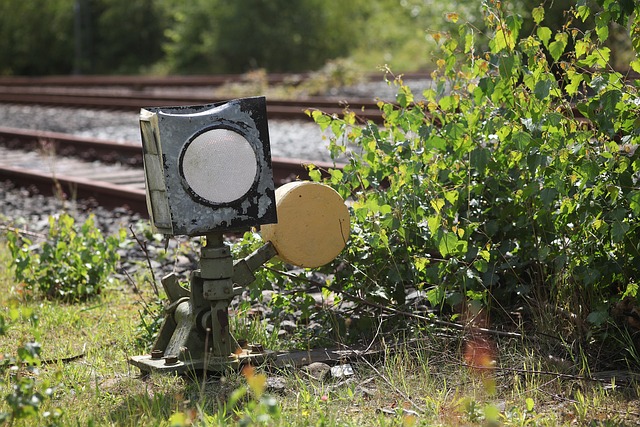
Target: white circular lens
x=219 y=165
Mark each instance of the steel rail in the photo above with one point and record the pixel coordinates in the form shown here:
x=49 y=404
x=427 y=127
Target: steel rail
x=64 y=144
x=276 y=109
x=199 y=96
x=109 y=194
x=144 y=81
x=212 y=80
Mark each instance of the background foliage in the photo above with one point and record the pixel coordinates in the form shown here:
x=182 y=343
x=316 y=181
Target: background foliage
x=211 y=36
x=513 y=186
x=36 y=37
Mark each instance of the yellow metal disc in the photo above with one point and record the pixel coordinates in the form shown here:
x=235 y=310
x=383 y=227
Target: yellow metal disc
x=313 y=224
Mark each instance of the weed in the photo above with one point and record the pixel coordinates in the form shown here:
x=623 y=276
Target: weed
x=25 y=393
x=72 y=264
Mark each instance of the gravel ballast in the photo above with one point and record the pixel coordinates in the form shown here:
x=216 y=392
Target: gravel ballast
x=292 y=139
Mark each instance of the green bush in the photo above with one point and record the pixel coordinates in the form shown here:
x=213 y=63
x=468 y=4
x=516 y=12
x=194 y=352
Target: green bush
x=72 y=264
x=492 y=187
x=36 y=37
x=278 y=36
x=125 y=36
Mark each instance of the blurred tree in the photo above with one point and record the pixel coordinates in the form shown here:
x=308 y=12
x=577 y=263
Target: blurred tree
x=276 y=35
x=397 y=33
x=82 y=36
x=191 y=35
x=127 y=35
x=40 y=37
x=36 y=37
x=215 y=36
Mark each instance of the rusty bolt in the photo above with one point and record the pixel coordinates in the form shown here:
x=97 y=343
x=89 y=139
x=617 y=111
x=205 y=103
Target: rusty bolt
x=157 y=354
x=171 y=360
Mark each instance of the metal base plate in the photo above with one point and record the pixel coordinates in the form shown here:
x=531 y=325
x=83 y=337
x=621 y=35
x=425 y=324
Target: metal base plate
x=213 y=364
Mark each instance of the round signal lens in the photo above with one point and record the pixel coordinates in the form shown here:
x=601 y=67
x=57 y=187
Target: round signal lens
x=219 y=165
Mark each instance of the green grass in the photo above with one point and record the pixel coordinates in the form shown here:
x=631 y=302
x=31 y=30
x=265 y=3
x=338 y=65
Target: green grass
x=424 y=382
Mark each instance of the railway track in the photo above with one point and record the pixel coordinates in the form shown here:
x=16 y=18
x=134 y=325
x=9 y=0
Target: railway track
x=276 y=109
x=132 y=93
x=82 y=168
x=212 y=80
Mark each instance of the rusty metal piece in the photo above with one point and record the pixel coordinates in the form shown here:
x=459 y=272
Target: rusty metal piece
x=157 y=354
x=171 y=360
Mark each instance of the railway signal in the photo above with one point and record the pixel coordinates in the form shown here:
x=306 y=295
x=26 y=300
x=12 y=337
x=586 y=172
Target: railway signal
x=208 y=167
x=208 y=171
